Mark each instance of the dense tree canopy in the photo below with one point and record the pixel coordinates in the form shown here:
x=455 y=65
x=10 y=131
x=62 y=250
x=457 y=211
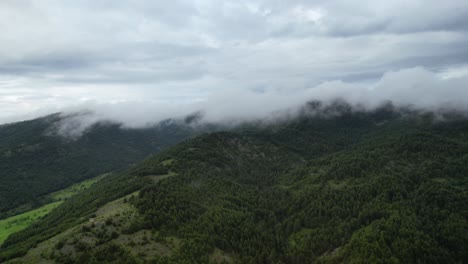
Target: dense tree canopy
x=355 y=188
x=35 y=161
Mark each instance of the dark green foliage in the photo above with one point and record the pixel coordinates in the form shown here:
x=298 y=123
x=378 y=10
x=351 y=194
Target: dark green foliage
x=355 y=188
x=76 y=210
x=156 y=169
x=34 y=161
x=391 y=196
x=110 y=253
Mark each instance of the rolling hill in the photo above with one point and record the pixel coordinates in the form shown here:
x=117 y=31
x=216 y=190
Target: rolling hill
x=344 y=186
x=35 y=160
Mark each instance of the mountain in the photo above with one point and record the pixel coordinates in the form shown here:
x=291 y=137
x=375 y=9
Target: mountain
x=36 y=160
x=342 y=186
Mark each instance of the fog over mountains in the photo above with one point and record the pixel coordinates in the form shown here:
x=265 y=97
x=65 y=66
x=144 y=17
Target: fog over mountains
x=233 y=131
x=142 y=62
x=415 y=88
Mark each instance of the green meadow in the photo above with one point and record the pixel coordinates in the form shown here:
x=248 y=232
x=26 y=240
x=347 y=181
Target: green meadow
x=18 y=222
x=75 y=188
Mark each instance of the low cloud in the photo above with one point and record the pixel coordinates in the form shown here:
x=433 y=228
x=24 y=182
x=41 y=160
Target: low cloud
x=140 y=62
x=416 y=88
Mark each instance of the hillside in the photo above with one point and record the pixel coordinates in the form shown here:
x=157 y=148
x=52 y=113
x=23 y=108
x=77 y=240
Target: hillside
x=20 y=221
x=35 y=160
x=353 y=187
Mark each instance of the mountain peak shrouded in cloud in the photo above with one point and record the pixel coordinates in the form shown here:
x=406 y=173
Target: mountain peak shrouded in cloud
x=413 y=89
x=140 y=62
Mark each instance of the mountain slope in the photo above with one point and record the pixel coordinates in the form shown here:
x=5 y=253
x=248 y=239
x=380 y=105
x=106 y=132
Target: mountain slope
x=35 y=161
x=358 y=187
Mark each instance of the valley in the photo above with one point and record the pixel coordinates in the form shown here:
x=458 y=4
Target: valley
x=36 y=160
x=18 y=222
x=356 y=187
x=233 y=132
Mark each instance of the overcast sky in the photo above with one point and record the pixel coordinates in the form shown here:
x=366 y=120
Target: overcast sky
x=154 y=59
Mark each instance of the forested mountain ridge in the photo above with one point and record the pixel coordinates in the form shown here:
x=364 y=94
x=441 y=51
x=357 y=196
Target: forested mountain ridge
x=36 y=160
x=356 y=187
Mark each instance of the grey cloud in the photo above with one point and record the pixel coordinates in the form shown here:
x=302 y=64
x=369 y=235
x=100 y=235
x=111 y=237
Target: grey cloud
x=348 y=19
x=434 y=62
x=58 y=54
x=45 y=63
x=415 y=87
x=140 y=63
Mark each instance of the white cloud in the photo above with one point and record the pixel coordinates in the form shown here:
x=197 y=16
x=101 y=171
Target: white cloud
x=57 y=54
x=415 y=87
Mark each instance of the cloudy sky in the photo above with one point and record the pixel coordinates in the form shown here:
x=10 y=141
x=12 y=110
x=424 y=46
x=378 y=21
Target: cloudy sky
x=154 y=59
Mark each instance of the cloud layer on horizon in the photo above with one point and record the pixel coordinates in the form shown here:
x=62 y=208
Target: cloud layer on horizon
x=416 y=88
x=139 y=61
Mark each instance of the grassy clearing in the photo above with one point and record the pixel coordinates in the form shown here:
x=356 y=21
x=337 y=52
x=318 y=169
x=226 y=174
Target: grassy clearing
x=167 y=162
x=117 y=210
x=75 y=188
x=18 y=222
x=157 y=178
